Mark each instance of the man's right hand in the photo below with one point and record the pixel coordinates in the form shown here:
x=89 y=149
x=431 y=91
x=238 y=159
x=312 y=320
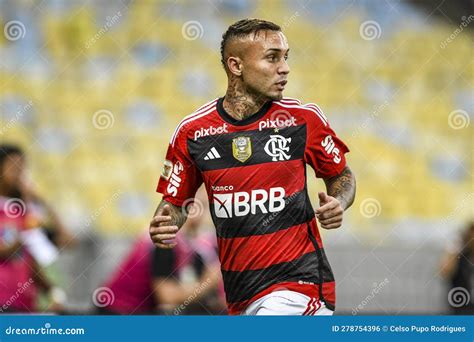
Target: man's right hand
x=162 y=231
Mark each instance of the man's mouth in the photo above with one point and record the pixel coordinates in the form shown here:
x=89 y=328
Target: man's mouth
x=281 y=84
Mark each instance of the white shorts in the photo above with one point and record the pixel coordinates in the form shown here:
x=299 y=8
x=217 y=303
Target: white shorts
x=287 y=302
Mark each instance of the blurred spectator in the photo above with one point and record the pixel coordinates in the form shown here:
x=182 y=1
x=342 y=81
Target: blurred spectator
x=17 y=185
x=24 y=248
x=457 y=267
x=182 y=280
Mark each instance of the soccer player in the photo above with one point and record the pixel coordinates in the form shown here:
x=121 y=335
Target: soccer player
x=250 y=149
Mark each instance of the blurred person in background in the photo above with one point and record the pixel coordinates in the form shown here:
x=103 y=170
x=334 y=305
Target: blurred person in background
x=24 y=247
x=16 y=184
x=184 y=280
x=457 y=267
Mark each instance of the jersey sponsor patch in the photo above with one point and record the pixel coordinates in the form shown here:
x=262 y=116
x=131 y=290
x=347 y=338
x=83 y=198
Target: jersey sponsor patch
x=204 y=132
x=277 y=123
x=175 y=179
x=331 y=150
x=243 y=203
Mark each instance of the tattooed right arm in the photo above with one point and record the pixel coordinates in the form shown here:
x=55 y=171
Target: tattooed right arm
x=178 y=214
x=168 y=219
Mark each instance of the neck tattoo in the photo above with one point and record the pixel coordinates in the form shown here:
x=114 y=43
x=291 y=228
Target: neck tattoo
x=240 y=104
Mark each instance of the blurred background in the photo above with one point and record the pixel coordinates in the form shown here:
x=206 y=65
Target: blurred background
x=92 y=91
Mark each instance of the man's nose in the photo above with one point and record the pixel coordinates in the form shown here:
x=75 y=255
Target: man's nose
x=284 y=68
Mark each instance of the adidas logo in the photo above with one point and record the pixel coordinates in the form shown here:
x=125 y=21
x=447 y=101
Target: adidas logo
x=212 y=154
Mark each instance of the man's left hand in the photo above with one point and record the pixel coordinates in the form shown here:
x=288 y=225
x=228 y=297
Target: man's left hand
x=329 y=213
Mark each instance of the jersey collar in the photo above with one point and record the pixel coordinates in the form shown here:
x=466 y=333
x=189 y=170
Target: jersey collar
x=251 y=119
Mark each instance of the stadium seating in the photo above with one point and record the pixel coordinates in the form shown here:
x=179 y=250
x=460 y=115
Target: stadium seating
x=388 y=98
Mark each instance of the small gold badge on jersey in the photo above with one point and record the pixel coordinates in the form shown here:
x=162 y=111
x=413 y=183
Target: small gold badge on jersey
x=241 y=148
x=167 y=168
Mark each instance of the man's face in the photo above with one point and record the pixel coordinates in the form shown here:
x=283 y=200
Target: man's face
x=264 y=63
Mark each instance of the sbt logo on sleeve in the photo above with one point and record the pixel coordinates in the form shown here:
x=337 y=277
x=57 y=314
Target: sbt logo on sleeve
x=329 y=147
x=175 y=180
x=243 y=203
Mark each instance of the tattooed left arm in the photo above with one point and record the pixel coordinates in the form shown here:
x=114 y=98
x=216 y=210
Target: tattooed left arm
x=342 y=187
x=340 y=196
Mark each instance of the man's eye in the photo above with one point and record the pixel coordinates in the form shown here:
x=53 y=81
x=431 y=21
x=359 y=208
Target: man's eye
x=286 y=57
x=272 y=58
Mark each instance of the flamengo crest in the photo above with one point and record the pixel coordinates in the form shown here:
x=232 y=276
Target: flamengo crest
x=277 y=147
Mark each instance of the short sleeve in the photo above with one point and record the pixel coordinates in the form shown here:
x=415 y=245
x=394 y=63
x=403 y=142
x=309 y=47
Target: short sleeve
x=180 y=177
x=162 y=265
x=324 y=150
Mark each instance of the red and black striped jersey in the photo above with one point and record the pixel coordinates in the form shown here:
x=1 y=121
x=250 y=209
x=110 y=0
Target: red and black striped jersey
x=254 y=171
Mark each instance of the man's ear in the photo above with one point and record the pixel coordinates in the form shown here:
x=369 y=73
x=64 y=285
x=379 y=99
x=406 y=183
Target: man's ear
x=235 y=65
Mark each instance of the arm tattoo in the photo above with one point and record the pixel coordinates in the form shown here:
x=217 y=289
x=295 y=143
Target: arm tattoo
x=178 y=214
x=342 y=187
